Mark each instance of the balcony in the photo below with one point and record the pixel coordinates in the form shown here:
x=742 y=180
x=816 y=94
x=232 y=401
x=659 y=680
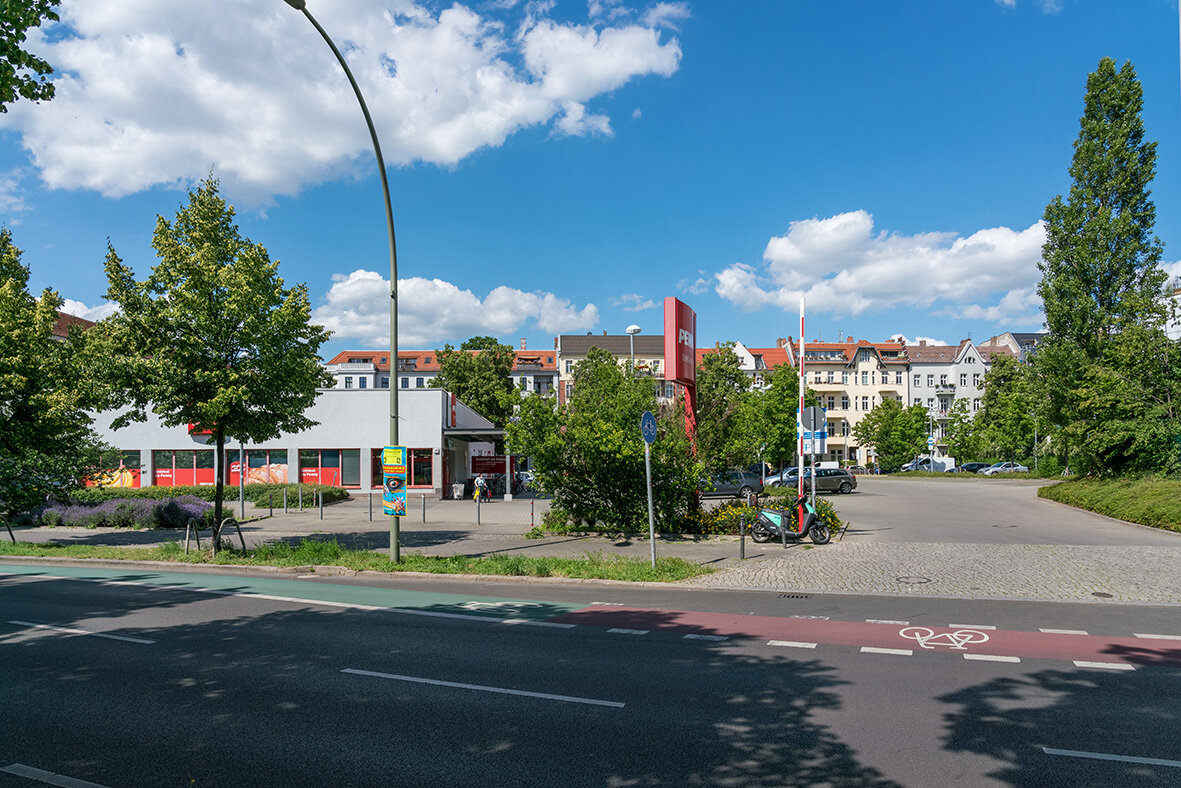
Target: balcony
x=354 y=367
x=945 y=389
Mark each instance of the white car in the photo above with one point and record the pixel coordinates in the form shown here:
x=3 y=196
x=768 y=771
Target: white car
x=1004 y=467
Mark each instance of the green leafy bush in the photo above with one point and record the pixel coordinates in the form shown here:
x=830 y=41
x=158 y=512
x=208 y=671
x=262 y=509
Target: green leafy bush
x=1153 y=501
x=256 y=493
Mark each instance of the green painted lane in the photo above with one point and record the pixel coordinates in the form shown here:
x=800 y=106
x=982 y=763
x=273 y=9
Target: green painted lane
x=301 y=591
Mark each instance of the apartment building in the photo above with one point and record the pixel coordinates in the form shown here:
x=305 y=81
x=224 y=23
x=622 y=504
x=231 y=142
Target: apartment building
x=649 y=358
x=942 y=374
x=533 y=371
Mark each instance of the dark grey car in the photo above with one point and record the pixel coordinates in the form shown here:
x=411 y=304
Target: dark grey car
x=732 y=483
x=827 y=480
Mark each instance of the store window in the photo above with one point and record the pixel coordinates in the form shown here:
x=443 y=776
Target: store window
x=420 y=471
x=121 y=469
x=171 y=468
x=336 y=467
x=263 y=466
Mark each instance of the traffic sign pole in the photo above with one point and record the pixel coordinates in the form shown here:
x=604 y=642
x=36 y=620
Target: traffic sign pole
x=648 y=431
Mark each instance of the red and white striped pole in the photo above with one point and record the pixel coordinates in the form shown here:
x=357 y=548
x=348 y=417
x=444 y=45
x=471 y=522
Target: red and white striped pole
x=800 y=420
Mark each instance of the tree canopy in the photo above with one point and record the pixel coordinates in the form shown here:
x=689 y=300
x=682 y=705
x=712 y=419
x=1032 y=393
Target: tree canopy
x=897 y=434
x=479 y=374
x=22 y=74
x=46 y=444
x=211 y=337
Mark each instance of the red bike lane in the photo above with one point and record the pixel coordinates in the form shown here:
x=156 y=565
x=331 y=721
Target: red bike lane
x=898 y=637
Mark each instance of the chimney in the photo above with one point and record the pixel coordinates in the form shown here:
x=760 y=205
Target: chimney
x=604 y=332
x=522 y=343
x=922 y=343
x=781 y=343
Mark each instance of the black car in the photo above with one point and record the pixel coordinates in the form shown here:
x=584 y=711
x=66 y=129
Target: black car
x=738 y=482
x=973 y=467
x=827 y=480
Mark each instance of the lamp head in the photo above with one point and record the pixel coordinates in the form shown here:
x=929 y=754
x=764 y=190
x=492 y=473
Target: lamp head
x=298 y=5
x=633 y=329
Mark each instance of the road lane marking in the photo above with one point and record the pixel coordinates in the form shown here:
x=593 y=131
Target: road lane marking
x=790 y=644
x=1102 y=756
x=886 y=621
x=706 y=637
x=905 y=652
x=1158 y=637
x=970 y=626
x=618 y=631
x=1104 y=665
x=991 y=658
x=72 y=631
x=42 y=776
x=529 y=623
x=1064 y=631
x=608 y=604
x=483 y=688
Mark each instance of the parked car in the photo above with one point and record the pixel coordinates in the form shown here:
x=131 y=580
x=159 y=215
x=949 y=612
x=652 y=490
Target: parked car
x=738 y=482
x=857 y=470
x=917 y=464
x=827 y=479
x=788 y=477
x=973 y=467
x=1004 y=467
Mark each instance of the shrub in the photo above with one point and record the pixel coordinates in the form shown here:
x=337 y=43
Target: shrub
x=174 y=512
x=255 y=493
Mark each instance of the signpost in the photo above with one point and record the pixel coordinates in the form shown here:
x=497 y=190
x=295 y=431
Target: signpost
x=648 y=430
x=393 y=489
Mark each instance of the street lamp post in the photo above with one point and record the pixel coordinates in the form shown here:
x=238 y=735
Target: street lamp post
x=301 y=5
x=631 y=335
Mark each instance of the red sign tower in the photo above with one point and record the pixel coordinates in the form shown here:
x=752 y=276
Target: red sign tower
x=680 y=357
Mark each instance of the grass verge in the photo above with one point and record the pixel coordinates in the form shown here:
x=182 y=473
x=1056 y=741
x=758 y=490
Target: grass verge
x=331 y=553
x=1149 y=501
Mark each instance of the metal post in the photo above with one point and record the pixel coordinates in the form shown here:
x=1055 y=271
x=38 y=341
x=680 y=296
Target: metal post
x=301 y=5
x=478 y=497
x=651 y=519
x=301 y=498
x=424 y=507
x=799 y=429
x=370 y=507
x=742 y=536
x=321 y=494
x=271 y=503
x=242 y=481
x=284 y=499
x=531 y=513
x=188 y=526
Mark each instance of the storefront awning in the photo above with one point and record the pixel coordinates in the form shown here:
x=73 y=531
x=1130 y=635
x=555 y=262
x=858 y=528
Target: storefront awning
x=473 y=433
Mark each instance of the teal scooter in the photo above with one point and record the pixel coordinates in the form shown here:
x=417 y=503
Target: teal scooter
x=775 y=524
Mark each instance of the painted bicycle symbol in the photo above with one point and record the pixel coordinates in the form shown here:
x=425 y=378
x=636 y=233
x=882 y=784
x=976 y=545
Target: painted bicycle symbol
x=959 y=639
x=496 y=607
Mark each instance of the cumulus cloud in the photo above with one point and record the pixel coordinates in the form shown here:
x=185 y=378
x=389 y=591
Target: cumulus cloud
x=633 y=302
x=12 y=201
x=432 y=311
x=95 y=313
x=666 y=15
x=154 y=92
x=1172 y=270
x=842 y=266
x=918 y=340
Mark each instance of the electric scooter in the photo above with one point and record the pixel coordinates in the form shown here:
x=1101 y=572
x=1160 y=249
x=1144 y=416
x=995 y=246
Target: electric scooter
x=773 y=523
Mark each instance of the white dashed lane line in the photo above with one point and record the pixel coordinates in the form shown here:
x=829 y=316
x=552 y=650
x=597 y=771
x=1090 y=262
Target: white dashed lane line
x=991 y=658
x=1158 y=637
x=706 y=637
x=618 y=631
x=1104 y=665
x=72 y=631
x=902 y=652
x=886 y=621
x=1102 y=756
x=49 y=778
x=483 y=688
x=790 y=644
x=971 y=626
x=1063 y=631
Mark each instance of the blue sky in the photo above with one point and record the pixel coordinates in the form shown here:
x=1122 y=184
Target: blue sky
x=562 y=167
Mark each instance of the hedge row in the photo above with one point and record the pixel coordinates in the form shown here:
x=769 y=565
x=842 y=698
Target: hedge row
x=256 y=493
x=174 y=512
x=1149 y=501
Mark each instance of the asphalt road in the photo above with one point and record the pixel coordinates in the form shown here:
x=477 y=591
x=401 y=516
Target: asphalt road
x=236 y=680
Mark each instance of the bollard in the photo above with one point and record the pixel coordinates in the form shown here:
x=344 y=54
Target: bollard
x=742 y=536
x=271 y=503
x=424 y=507
x=301 y=498
x=478 y=496
x=370 y=507
x=531 y=525
x=284 y=499
x=321 y=494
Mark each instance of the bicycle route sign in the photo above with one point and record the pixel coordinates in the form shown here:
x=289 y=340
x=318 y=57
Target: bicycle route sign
x=648 y=426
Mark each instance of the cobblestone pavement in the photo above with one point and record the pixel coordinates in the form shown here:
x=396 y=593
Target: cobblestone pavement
x=978 y=571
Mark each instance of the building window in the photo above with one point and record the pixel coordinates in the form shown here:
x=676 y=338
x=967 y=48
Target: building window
x=976 y=380
x=864 y=378
x=918 y=381
x=832 y=403
x=385 y=382
x=335 y=467
x=930 y=381
x=405 y=383
x=971 y=359
x=865 y=403
x=348 y=383
x=569 y=367
x=918 y=400
x=418 y=383
x=898 y=377
x=362 y=383
x=816 y=376
x=669 y=390
x=758 y=378
x=963 y=378
x=943 y=380
x=844 y=378
x=930 y=402
x=844 y=402
x=569 y=390
x=427 y=359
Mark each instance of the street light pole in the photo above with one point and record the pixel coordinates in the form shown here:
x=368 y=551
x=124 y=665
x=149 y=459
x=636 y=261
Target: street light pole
x=631 y=335
x=301 y=5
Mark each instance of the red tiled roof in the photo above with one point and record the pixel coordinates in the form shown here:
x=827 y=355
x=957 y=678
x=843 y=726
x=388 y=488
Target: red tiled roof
x=428 y=360
x=66 y=322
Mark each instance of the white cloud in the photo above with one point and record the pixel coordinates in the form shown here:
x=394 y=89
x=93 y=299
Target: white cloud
x=918 y=340
x=95 y=313
x=666 y=15
x=843 y=267
x=432 y=311
x=633 y=302
x=12 y=202
x=1172 y=270
x=154 y=92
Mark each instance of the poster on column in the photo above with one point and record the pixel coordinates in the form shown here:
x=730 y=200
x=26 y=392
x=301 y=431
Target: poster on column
x=393 y=470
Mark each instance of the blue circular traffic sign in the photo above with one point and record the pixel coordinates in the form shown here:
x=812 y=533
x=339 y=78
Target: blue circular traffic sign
x=648 y=426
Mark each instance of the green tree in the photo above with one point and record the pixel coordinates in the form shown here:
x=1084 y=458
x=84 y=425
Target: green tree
x=23 y=75
x=479 y=373
x=211 y=337
x=963 y=438
x=897 y=434
x=722 y=389
x=589 y=454
x=1007 y=413
x=46 y=444
x=1099 y=265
